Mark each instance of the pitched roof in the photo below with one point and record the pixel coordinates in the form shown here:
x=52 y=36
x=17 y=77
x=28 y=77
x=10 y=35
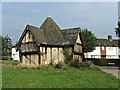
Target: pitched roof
x=52 y=32
x=38 y=34
x=48 y=24
x=71 y=34
x=106 y=42
x=49 y=33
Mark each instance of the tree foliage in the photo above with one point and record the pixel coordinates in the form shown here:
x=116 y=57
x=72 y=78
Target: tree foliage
x=6 y=45
x=89 y=40
x=117 y=30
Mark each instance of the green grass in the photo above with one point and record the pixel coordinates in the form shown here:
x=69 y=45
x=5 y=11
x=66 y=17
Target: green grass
x=10 y=62
x=17 y=77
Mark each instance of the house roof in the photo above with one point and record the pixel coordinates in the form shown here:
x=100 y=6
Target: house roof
x=50 y=34
x=106 y=42
x=53 y=33
x=38 y=34
x=71 y=34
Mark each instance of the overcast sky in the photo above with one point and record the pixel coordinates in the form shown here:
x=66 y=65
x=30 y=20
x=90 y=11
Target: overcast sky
x=99 y=17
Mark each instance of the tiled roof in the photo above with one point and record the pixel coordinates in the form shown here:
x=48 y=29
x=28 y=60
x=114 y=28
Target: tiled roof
x=71 y=34
x=106 y=42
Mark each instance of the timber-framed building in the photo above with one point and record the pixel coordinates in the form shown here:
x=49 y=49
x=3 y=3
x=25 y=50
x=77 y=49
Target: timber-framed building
x=48 y=44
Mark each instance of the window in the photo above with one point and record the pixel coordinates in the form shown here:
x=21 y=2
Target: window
x=110 y=48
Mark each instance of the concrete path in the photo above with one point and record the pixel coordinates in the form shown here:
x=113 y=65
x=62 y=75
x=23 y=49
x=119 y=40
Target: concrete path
x=113 y=70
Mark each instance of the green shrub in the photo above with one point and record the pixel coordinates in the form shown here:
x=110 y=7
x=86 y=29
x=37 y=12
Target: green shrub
x=59 y=65
x=86 y=64
x=104 y=62
x=74 y=63
x=101 y=62
x=77 y=64
x=6 y=58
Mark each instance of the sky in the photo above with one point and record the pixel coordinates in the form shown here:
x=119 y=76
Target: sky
x=119 y=10
x=99 y=17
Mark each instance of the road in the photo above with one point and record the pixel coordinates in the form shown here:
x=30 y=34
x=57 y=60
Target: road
x=113 y=70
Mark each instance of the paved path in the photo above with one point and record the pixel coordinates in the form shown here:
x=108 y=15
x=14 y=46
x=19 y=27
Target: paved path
x=113 y=70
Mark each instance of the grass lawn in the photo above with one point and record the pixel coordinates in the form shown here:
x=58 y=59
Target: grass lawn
x=17 y=77
x=10 y=62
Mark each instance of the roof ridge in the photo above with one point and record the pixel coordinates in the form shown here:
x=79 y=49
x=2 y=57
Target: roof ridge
x=32 y=26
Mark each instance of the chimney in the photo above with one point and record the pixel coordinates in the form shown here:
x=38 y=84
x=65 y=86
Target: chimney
x=110 y=37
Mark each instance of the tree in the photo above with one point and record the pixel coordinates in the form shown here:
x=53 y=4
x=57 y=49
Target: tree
x=6 y=43
x=117 y=30
x=89 y=40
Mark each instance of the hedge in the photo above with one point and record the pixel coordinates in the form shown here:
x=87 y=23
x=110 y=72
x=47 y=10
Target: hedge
x=105 y=62
x=6 y=57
